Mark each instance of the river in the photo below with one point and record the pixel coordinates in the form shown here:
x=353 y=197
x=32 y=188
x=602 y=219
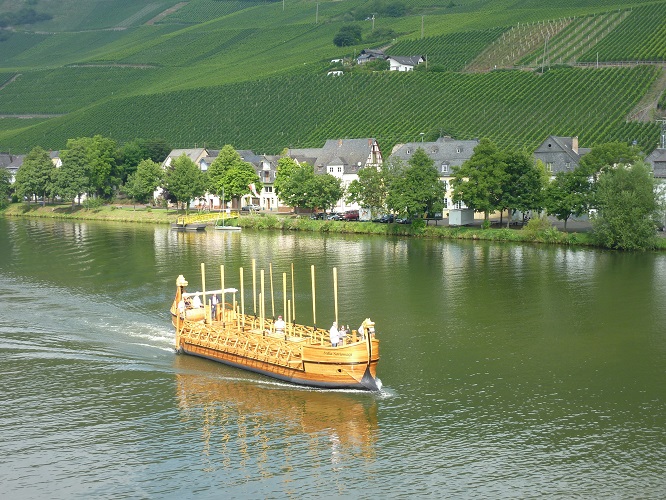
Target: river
x=512 y=371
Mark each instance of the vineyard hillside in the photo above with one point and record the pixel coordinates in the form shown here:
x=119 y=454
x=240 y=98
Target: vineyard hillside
x=130 y=68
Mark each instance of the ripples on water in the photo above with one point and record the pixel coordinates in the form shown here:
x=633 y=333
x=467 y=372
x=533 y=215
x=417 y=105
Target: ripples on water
x=508 y=371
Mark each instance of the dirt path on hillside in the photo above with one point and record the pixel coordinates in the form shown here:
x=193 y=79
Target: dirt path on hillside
x=644 y=111
x=11 y=80
x=162 y=15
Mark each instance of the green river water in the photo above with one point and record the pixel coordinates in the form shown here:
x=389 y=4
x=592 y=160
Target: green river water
x=508 y=371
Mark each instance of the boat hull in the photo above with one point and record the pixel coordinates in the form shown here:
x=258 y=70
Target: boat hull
x=305 y=361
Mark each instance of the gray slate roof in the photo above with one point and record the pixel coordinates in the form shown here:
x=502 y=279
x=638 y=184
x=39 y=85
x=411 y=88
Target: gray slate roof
x=658 y=161
x=445 y=150
x=351 y=154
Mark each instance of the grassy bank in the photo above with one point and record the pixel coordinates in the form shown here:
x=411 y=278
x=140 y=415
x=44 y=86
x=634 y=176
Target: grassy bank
x=547 y=235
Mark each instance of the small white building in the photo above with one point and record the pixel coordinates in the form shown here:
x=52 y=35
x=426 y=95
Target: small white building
x=404 y=63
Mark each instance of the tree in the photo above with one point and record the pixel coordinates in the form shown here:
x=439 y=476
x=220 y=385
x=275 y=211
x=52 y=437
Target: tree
x=349 y=34
x=324 y=191
x=230 y=175
x=141 y=184
x=627 y=208
x=185 y=181
x=370 y=189
x=35 y=174
x=607 y=155
x=480 y=181
x=100 y=163
x=298 y=186
x=5 y=187
x=567 y=195
x=523 y=190
x=418 y=189
x=71 y=179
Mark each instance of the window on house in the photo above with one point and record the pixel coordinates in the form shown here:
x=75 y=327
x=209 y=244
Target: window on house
x=567 y=165
x=459 y=149
x=445 y=168
x=330 y=170
x=458 y=205
x=549 y=167
x=268 y=189
x=446 y=185
x=409 y=151
x=339 y=170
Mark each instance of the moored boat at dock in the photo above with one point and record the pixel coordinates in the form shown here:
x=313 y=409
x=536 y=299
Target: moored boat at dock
x=281 y=349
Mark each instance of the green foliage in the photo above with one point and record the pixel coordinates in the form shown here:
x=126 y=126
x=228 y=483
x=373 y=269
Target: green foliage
x=230 y=175
x=568 y=194
x=101 y=169
x=71 y=179
x=628 y=208
x=5 y=187
x=540 y=229
x=132 y=153
x=480 y=181
x=34 y=177
x=184 y=180
x=142 y=183
x=417 y=190
x=605 y=156
x=23 y=16
x=523 y=190
x=380 y=35
x=380 y=8
x=299 y=187
x=370 y=189
x=348 y=35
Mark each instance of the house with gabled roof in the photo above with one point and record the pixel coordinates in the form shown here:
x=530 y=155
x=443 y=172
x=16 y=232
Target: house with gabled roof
x=198 y=155
x=12 y=163
x=560 y=154
x=446 y=153
x=404 y=63
x=342 y=158
x=368 y=55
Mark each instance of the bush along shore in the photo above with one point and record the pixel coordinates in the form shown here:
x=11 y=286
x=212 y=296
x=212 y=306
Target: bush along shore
x=536 y=231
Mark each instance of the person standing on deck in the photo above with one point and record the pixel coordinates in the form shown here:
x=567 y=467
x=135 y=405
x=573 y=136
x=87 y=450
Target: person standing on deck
x=213 y=306
x=280 y=326
x=334 y=334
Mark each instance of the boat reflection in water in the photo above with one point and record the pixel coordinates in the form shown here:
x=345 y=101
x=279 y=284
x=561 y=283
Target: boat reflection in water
x=250 y=423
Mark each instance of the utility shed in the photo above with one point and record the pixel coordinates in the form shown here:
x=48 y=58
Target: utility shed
x=461 y=216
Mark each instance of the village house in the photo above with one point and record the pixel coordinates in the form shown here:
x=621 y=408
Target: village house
x=11 y=163
x=368 y=55
x=559 y=154
x=446 y=153
x=404 y=63
x=341 y=158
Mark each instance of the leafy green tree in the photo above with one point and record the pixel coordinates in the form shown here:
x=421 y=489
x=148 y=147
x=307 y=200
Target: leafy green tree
x=567 y=195
x=71 y=180
x=185 y=181
x=524 y=186
x=418 y=189
x=349 y=34
x=230 y=175
x=607 y=155
x=100 y=163
x=5 y=187
x=298 y=186
x=480 y=181
x=35 y=175
x=627 y=208
x=141 y=184
x=370 y=189
x=324 y=191
x=132 y=153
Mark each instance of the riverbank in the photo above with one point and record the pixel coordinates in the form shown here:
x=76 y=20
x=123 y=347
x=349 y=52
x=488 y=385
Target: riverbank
x=126 y=213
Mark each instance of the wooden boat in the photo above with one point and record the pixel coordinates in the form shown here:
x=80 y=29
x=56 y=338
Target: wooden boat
x=298 y=354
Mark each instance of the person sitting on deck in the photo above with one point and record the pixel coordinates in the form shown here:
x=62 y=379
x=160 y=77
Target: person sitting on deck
x=334 y=334
x=279 y=325
x=196 y=302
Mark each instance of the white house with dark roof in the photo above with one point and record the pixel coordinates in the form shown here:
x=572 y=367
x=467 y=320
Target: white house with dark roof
x=404 y=63
x=446 y=153
x=342 y=158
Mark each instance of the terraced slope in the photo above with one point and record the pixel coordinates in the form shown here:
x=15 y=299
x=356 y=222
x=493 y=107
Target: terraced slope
x=511 y=107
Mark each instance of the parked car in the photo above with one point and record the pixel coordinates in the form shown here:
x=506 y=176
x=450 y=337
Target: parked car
x=334 y=216
x=351 y=215
x=250 y=208
x=403 y=220
x=385 y=219
x=318 y=216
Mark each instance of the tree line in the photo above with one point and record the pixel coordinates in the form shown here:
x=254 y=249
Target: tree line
x=612 y=182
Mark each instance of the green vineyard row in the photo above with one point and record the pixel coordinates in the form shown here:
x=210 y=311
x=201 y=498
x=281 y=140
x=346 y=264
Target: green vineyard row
x=514 y=108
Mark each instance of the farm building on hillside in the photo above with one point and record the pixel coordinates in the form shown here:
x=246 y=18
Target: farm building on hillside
x=368 y=55
x=446 y=153
x=404 y=63
x=559 y=154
